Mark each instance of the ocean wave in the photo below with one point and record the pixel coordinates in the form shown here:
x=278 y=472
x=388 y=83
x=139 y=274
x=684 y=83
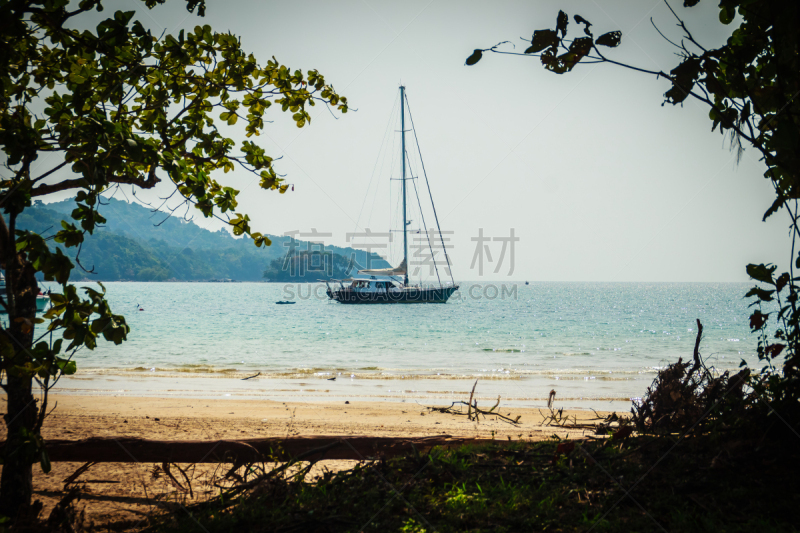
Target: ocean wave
x=373 y=373
x=192 y=369
x=420 y=397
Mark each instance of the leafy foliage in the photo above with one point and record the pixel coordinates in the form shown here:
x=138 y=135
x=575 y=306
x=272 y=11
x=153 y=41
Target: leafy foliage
x=750 y=86
x=114 y=105
x=634 y=484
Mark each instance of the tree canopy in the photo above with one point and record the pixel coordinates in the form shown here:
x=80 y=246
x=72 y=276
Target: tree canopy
x=86 y=110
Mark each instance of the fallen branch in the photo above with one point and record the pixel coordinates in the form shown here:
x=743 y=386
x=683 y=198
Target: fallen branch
x=132 y=450
x=606 y=425
x=474 y=412
x=696 y=354
x=469 y=403
x=557 y=418
x=77 y=473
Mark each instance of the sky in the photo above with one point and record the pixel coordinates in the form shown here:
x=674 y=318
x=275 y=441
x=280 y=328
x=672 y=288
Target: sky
x=596 y=178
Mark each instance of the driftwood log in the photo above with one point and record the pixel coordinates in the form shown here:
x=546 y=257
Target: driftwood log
x=134 y=450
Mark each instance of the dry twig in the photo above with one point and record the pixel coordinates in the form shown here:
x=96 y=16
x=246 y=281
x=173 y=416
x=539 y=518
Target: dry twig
x=473 y=411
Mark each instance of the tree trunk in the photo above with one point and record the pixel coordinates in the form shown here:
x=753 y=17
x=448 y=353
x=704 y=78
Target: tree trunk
x=16 y=485
x=16 y=488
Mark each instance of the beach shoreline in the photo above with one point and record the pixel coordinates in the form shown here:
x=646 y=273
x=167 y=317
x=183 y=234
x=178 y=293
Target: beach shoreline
x=571 y=392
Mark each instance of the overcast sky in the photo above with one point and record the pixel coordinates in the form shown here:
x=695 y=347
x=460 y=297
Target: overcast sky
x=599 y=181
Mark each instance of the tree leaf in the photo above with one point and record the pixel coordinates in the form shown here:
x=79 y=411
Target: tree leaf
x=776 y=205
x=761 y=294
x=580 y=20
x=475 y=57
x=586 y=24
x=610 y=39
x=757 y=320
x=684 y=77
x=782 y=281
x=44 y=461
x=67 y=367
x=774 y=350
x=542 y=39
x=581 y=46
x=762 y=273
x=727 y=14
x=553 y=63
x=561 y=23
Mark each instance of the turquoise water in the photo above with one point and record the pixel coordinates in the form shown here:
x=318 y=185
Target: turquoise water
x=594 y=343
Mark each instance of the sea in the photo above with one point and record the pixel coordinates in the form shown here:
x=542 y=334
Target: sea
x=597 y=345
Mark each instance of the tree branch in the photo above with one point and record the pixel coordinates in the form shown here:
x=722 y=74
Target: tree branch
x=54 y=169
x=76 y=183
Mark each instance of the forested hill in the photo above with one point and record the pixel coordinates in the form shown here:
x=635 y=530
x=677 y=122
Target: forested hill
x=139 y=245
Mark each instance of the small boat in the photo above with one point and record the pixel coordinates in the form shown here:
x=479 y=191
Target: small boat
x=285 y=302
x=42 y=302
x=391 y=285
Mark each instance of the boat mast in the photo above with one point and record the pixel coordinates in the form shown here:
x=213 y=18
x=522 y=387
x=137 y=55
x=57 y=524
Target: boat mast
x=403 y=157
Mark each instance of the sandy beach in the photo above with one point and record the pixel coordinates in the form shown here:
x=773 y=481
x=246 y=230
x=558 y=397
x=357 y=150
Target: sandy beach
x=78 y=417
x=127 y=493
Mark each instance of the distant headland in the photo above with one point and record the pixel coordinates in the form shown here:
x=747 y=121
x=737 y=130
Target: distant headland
x=138 y=244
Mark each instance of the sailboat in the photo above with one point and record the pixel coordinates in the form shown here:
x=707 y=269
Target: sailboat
x=391 y=285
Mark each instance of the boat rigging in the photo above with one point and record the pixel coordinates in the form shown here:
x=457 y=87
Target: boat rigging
x=391 y=285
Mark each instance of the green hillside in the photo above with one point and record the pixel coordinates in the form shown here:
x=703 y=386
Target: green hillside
x=138 y=244
x=299 y=266
x=143 y=224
